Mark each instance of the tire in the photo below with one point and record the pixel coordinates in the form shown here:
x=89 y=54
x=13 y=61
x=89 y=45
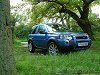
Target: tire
x=53 y=49
x=31 y=48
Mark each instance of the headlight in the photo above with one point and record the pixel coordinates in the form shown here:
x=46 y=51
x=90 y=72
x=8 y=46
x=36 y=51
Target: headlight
x=87 y=35
x=68 y=37
x=61 y=36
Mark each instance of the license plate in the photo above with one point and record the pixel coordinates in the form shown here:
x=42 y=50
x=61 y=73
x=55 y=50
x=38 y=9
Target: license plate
x=83 y=44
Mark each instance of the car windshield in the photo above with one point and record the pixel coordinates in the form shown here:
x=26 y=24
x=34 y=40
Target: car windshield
x=50 y=29
x=54 y=28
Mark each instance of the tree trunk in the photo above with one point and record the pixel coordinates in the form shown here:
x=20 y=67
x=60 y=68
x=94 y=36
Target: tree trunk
x=7 y=63
x=86 y=27
x=82 y=21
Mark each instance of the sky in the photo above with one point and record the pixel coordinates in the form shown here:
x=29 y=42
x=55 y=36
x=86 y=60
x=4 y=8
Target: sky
x=96 y=9
x=15 y=2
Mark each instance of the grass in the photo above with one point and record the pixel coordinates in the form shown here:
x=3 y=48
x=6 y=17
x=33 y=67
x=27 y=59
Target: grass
x=81 y=62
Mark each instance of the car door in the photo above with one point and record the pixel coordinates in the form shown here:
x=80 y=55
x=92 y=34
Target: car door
x=33 y=35
x=40 y=38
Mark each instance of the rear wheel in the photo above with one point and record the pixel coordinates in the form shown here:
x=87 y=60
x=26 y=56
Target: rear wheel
x=31 y=47
x=53 y=49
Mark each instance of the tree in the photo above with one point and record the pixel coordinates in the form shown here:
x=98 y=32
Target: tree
x=7 y=64
x=20 y=20
x=77 y=9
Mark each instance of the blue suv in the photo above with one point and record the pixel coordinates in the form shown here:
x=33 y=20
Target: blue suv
x=48 y=39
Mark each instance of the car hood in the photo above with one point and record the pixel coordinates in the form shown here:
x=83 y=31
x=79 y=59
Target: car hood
x=71 y=33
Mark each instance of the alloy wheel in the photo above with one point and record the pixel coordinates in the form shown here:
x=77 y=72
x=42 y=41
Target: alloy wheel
x=53 y=49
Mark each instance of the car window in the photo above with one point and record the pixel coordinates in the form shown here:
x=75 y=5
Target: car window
x=34 y=29
x=41 y=28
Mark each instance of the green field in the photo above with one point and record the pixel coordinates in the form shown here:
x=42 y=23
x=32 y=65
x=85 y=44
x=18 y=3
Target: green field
x=83 y=62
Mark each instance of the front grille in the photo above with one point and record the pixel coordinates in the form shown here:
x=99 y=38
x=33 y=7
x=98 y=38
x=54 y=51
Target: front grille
x=81 y=37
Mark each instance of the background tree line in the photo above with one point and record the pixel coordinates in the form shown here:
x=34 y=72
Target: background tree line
x=74 y=15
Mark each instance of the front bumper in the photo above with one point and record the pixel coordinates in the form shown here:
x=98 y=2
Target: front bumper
x=74 y=44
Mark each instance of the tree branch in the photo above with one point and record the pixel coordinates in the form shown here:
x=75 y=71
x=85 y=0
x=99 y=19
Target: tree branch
x=90 y=1
x=57 y=2
x=87 y=2
x=72 y=14
x=85 y=12
x=64 y=10
x=79 y=9
x=84 y=1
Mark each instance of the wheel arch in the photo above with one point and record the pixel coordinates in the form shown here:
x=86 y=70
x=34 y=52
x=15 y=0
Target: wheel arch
x=29 y=40
x=52 y=40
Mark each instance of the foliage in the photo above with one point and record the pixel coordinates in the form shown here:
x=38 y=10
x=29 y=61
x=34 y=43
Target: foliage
x=45 y=12
x=76 y=9
x=20 y=20
x=21 y=13
x=95 y=21
x=51 y=8
x=21 y=31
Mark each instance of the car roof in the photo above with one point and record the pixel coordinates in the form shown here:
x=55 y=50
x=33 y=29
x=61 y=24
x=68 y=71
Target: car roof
x=37 y=25
x=48 y=24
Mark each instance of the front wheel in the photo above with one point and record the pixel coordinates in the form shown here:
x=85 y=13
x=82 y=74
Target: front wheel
x=53 y=49
x=31 y=47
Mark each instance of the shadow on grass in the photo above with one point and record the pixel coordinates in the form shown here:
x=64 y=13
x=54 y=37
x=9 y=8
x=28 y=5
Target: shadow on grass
x=21 y=50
